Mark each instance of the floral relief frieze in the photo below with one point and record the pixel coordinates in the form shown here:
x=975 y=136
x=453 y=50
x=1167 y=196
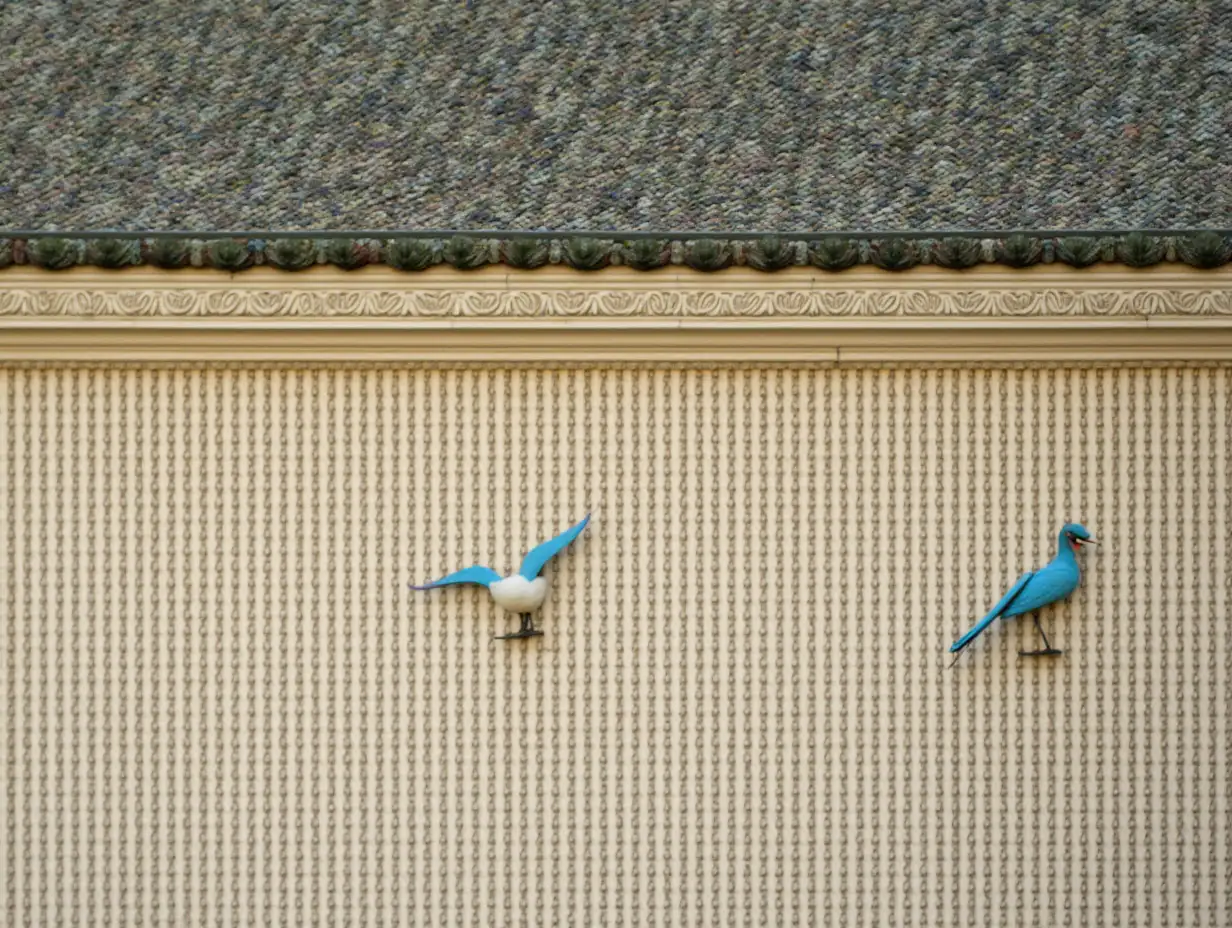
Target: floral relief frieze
x=242 y=302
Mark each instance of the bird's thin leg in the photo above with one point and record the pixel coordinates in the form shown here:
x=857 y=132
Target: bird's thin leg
x=1047 y=650
x=1047 y=646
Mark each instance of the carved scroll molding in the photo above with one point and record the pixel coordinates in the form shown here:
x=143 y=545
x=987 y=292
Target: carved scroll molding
x=447 y=315
x=693 y=303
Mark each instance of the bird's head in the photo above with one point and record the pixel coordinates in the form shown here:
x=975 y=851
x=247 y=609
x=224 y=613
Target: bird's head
x=1076 y=536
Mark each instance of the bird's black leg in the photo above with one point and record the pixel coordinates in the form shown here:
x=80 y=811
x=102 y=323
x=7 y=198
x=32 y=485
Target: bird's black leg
x=1043 y=635
x=527 y=630
x=1047 y=650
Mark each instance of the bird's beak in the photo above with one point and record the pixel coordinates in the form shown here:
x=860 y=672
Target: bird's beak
x=1088 y=541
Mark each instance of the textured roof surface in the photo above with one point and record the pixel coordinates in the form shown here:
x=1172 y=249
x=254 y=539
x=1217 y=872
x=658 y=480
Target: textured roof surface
x=567 y=115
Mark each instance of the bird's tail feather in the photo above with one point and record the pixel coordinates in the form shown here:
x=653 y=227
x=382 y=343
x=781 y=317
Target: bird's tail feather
x=966 y=639
x=993 y=614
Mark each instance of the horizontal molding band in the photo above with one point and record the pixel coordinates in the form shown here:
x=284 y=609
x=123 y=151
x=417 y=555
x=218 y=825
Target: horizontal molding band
x=559 y=340
x=558 y=315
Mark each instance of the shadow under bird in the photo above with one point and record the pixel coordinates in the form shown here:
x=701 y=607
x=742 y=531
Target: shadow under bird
x=1036 y=589
x=521 y=593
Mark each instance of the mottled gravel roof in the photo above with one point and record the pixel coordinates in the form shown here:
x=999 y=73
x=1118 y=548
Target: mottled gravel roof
x=565 y=115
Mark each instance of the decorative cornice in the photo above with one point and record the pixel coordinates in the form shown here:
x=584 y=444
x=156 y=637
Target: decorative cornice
x=619 y=315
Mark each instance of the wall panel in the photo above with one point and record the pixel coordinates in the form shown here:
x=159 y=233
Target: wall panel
x=222 y=704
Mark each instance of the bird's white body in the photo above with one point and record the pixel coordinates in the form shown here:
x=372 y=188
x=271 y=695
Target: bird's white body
x=519 y=595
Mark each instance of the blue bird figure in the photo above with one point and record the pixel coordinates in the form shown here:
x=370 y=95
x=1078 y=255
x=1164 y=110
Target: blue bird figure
x=520 y=593
x=1036 y=589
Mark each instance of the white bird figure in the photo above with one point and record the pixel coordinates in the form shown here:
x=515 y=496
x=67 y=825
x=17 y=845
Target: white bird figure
x=522 y=593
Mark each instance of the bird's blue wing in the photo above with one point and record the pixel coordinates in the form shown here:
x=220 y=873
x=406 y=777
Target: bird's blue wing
x=1047 y=586
x=541 y=554
x=1006 y=601
x=477 y=574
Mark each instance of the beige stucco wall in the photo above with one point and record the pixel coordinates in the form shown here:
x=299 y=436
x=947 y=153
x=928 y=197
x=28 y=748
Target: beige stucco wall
x=223 y=705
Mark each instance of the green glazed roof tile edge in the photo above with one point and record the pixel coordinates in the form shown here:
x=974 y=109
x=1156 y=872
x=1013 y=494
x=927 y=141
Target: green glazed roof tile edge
x=411 y=252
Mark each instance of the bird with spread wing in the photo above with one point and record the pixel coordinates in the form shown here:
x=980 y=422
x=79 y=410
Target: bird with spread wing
x=522 y=593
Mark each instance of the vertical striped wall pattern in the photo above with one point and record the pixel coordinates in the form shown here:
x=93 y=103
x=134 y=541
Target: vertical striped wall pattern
x=223 y=706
